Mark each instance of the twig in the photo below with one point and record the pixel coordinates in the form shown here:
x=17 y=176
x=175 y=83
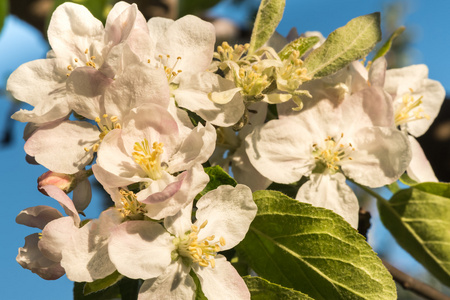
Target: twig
x=414 y=285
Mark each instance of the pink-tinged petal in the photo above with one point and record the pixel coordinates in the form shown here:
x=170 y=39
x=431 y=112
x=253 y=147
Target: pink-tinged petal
x=109 y=180
x=72 y=30
x=55 y=236
x=174 y=283
x=190 y=38
x=64 y=200
x=140 y=249
x=60 y=147
x=193 y=94
x=377 y=72
x=222 y=282
x=85 y=87
x=281 y=149
x=178 y=194
x=331 y=192
x=229 y=212
x=37 y=216
x=31 y=258
x=381 y=156
x=85 y=256
x=368 y=107
x=82 y=195
x=196 y=148
x=420 y=169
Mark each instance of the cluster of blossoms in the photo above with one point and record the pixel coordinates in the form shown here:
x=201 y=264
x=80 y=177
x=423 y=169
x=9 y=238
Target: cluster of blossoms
x=143 y=106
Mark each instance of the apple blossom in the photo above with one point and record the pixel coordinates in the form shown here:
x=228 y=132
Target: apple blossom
x=144 y=249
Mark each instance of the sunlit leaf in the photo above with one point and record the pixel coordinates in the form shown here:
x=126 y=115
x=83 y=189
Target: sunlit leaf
x=312 y=250
x=344 y=45
x=387 y=46
x=418 y=218
x=261 y=289
x=269 y=15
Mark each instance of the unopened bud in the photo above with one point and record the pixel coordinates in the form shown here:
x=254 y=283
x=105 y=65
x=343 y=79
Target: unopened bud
x=65 y=182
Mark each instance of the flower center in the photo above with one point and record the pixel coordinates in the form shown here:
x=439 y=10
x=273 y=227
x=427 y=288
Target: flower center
x=149 y=159
x=226 y=52
x=163 y=62
x=87 y=61
x=131 y=207
x=251 y=79
x=199 y=251
x=105 y=125
x=292 y=73
x=332 y=154
x=409 y=110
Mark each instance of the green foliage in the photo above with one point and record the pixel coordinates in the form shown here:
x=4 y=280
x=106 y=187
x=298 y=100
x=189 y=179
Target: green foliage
x=112 y=292
x=344 y=45
x=101 y=284
x=269 y=15
x=418 y=218
x=302 y=45
x=262 y=289
x=312 y=250
x=387 y=46
x=4 y=10
x=186 y=7
x=217 y=177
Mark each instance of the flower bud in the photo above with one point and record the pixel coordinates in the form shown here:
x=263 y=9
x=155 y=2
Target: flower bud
x=65 y=182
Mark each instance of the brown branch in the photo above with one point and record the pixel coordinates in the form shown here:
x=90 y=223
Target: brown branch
x=414 y=285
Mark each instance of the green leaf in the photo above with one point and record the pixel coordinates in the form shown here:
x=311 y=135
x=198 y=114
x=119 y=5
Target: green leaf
x=418 y=218
x=405 y=179
x=186 y=7
x=387 y=46
x=302 y=45
x=344 y=45
x=101 y=284
x=269 y=15
x=112 y=292
x=4 y=10
x=217 y=177
x=262 y=289
x=312 y=250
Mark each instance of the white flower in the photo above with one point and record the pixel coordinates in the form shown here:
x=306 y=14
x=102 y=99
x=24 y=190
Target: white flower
x=78 y=41
x=328 y=138
x=144 y=249
x=153 y=151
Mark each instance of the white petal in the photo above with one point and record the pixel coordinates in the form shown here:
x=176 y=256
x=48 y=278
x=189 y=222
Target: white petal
x=331 y=192
x=196 y=148
x=281 y=150
x=212 y=97
x=140 y=249
x=85 y=256
x=37 y=216
x=31 y=258
x=72 y=30
x=377 y=72
x=55 y=236
x=60 y=147
x=420 y=169
x=64 y=200
x=229 y=212
x=222 y=282
x=174 y=283
x=381 y=156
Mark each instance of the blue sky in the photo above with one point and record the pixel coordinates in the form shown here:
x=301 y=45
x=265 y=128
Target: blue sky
x=19 y=44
